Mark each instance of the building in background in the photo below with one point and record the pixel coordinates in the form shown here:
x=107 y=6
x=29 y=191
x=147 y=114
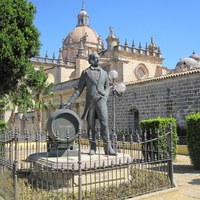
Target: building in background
x=152 y=90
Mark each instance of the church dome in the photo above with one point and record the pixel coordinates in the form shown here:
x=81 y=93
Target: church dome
x=195 y=56
x=83 y=12
x=187 y=64
x=82 y=40
x=84 y=33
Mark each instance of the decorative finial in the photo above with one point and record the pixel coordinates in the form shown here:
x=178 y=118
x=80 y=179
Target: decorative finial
x=46 y=54
x=81 y=44
x=140 y=45
x=111 y=30
x=83 y=5
x=126 y=42
x=146 y=46
x=118 y=41
x=60 y=58
x=133 y=43
x=54 y=56
x=152 y=40
x=81 y=49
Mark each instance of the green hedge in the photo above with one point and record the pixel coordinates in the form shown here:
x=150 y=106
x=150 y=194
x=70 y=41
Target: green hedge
x=152 y=127
x=193 y=138
x=3 y=126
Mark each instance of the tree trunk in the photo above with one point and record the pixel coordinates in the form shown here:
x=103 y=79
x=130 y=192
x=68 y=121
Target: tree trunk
x=39 y=116
x=12 y=120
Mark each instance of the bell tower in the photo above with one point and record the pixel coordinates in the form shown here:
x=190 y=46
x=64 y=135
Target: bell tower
x=112 y=40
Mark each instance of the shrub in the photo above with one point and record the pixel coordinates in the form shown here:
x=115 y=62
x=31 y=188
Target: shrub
x=193 y=138
x=3 y=126
x=153 y=128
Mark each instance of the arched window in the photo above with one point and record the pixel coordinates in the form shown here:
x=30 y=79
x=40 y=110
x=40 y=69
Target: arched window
x=135 y=118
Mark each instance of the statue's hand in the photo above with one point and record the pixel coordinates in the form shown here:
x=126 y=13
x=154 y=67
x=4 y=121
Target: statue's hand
x=65 y=105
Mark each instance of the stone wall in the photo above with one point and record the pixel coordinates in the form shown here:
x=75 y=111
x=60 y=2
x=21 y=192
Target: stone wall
x=176 y=95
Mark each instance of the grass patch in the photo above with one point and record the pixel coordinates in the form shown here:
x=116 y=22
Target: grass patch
x=7 y=185
x=142 y=181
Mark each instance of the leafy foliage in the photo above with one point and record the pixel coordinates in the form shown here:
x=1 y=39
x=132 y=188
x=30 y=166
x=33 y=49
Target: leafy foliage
x=29 y=93
x=158 y=127
x=19 y=41
x=193 y=138
x=37 y=81
x=19 y=98
x=3 y=126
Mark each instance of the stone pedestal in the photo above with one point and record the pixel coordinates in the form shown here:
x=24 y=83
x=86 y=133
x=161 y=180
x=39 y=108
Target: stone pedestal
x=64 y=173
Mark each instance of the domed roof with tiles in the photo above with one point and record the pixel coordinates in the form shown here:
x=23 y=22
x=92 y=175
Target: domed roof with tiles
x=85 y=33
x=83 y=12
x=195 y=56
x=82 y=31
x=186 y=64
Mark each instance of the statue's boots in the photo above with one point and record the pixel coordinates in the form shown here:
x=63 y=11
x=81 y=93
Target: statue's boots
x=92 y=148
x=109 y=150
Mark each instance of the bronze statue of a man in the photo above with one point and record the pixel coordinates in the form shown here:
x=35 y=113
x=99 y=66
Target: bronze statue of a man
x=95 y=79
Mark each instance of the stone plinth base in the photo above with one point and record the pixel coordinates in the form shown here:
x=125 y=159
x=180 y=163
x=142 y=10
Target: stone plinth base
x=95 y=171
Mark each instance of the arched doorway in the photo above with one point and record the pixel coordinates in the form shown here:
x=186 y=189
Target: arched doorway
x=135 y=118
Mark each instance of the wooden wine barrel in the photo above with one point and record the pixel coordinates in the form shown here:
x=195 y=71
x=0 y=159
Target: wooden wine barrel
x=62 y=124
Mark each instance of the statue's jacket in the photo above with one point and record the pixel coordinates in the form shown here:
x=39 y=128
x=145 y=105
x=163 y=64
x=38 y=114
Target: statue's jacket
x=94 y=87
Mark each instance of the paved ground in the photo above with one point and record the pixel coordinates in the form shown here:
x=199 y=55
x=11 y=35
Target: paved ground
x=187 y=179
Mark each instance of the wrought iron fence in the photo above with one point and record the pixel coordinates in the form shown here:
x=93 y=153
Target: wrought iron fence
x=140 y=167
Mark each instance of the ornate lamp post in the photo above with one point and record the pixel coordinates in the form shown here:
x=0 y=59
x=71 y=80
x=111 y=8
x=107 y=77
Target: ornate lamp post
x=117 y=90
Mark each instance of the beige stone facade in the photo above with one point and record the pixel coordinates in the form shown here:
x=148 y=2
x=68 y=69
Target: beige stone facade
x=132 y=63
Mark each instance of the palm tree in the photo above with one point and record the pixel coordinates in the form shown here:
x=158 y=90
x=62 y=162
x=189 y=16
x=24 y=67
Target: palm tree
x=40 y=87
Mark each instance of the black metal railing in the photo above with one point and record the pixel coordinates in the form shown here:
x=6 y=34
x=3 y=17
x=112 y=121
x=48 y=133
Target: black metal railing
x=139 y=168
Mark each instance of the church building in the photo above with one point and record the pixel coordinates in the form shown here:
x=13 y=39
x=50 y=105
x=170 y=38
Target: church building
x=133 y=63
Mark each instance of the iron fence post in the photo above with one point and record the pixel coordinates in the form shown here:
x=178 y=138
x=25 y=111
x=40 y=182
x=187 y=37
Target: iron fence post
x=114 y=119
x=170 y=161
x=79 y=166
x=15 y=168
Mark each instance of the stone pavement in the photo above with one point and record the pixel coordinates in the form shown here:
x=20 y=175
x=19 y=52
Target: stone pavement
x=187 y=183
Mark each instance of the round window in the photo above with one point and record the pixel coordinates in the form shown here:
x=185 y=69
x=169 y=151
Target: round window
x=141 y=72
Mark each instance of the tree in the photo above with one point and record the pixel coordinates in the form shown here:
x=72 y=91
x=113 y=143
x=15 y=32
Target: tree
x=20 y=99
x=19 y=41
x=37 y=81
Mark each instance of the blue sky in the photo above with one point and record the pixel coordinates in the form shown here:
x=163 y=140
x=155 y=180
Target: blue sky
x=174 y=24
